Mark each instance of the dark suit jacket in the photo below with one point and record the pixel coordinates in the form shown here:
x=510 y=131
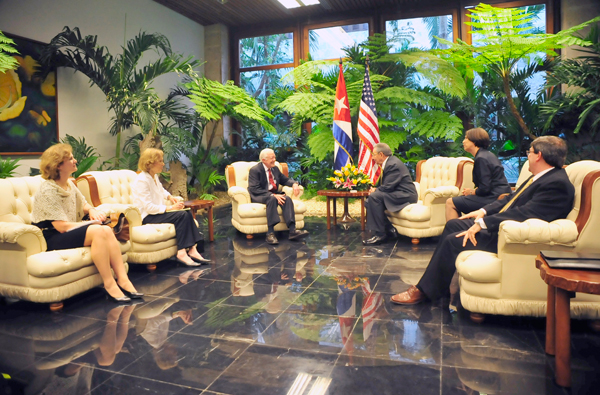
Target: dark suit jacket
x=258 y=183
x=488 y=175
x=397 y=185
x=548 y=198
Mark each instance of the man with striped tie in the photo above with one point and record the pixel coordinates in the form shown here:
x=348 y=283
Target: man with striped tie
x=547 y=195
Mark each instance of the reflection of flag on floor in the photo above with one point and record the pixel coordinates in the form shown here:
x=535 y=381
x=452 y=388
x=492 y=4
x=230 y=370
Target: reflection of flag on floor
x=346 y=309
x=342 y=129
x=372 y=301
x=368 y=130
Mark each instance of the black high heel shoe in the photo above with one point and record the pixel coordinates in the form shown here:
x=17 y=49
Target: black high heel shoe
x=201 y=260
x=131 y=295
x=122 y=299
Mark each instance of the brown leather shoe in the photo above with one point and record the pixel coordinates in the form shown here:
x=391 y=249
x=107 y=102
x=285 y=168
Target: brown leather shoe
x=271 y=239
x=412 y=296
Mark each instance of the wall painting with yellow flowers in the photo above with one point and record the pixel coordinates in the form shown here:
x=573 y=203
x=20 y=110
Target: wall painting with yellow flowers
x=28 y=105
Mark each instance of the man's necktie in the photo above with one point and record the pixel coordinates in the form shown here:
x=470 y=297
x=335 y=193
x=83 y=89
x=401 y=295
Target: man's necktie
x=507 y=205
x=272 y=184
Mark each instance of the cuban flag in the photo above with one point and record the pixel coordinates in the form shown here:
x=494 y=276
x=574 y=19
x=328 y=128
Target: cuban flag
x=342 y=129
x=368 y=130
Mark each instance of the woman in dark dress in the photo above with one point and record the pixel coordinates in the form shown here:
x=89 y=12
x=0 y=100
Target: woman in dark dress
x=58 y=209
x=488 y=177
x=150 y=197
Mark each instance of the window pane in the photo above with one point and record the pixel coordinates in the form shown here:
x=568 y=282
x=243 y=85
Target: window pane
x=260 y=84
x=328 y=42
x=418 y=32
x=267 y=50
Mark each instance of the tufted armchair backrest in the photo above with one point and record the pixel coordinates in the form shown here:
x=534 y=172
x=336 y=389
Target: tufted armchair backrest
x=236 y=173
x=16 y=198
x=524 y=174
x=442 y=171
x=112 y=186
x=585 y=177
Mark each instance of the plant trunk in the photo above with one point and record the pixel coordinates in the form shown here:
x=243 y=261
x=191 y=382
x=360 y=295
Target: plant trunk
x=178 y=184
x=209 y=141
x=513 y=107
x=151 y=140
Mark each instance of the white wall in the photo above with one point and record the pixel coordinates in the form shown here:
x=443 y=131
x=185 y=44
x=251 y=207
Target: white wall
x=574 y=12
x=82 y=110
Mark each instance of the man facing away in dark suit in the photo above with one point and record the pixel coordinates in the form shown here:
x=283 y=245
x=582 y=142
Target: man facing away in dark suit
x=395 y=191
x=547 y=195
x=264 y=180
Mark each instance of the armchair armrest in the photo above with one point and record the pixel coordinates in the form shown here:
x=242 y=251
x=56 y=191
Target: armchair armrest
x=290 y=191
x=239 y=194
x=535 y=231
x=131 y=212
x=27 y=237
x=439 y=193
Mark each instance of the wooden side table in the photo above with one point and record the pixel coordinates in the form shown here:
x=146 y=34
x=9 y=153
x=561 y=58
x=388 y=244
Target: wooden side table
x=334 y=194
x=561 y=284
x=195 y=205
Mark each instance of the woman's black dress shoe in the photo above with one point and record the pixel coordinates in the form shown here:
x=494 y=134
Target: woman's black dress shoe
x=123 y=299
x=201 y=260
x=131 y=295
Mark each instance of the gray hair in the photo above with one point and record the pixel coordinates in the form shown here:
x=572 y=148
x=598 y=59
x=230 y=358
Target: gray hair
x=264 y=153
x=383 y=148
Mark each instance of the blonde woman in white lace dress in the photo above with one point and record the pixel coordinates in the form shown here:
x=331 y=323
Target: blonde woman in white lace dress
x=58 y=209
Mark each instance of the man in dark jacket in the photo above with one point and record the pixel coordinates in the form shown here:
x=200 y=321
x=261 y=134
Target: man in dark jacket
x=264 y=180
x=547 y=195
x=396 y=190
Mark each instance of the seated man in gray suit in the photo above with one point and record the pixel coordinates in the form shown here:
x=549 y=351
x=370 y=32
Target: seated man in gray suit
x=264 y=180
x=547 y=194
x=395 y=191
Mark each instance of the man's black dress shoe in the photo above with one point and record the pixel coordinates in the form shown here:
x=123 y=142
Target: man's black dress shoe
x=132 y=295
x=271 y=239
x=203 y=260
x=375 y=240
x=392 y=232
x=298 y=234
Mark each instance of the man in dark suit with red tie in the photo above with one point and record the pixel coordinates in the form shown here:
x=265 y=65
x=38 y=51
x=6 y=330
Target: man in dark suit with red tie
x=547 y=195
x=264 y=180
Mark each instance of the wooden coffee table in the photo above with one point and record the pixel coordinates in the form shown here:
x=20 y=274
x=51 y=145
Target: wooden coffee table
x=561 y=284
x=195 y=205
x=334 y=194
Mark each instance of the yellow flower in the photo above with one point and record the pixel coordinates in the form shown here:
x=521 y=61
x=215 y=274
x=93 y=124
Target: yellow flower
x=29 y=65
x=363 y=181
x=354 y=182
x=48 y=87
x=11 y=102
x=346 y=173
x=41 y=119
x=338 y=173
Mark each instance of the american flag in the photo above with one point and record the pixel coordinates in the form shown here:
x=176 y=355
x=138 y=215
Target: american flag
x=368 y=131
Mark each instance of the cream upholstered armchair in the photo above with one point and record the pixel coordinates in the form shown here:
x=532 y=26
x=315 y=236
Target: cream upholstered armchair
x=251 y=218
x=150 y=243
x=508 y=283
x=27 y=270
x=438 y=179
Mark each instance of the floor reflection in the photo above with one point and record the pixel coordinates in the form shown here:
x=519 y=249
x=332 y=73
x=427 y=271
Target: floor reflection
x=300 y=316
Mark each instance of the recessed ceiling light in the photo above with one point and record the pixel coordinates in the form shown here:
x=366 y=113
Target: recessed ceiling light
x=297 y=3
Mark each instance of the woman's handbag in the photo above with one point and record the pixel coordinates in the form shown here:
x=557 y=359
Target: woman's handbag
x=120 y=226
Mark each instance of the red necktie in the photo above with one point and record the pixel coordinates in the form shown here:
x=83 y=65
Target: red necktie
x=272 y=181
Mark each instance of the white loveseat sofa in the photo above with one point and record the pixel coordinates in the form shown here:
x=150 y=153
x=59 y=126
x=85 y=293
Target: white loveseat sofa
x=508 y=283
x=27 y=270
x=437 y=179
x=150 y=243
x=251 y=218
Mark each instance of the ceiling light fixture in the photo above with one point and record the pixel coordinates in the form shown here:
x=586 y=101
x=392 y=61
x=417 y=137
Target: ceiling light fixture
x=297 y=3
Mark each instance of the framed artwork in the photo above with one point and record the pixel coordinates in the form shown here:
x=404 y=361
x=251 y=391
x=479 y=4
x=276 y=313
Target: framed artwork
x=28 y=103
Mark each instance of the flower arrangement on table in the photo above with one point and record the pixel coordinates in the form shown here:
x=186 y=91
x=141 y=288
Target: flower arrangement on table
x=350 y=282
x=351 y=178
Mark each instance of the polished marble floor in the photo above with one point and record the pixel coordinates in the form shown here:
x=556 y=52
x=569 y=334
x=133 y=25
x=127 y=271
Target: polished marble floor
x=309 y=317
